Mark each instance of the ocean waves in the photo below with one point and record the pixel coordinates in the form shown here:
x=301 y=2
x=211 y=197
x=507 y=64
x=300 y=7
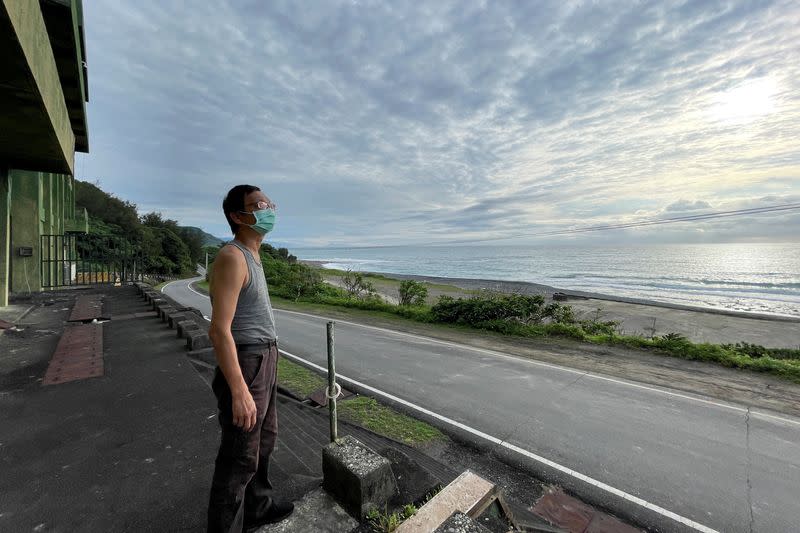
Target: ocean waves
x=760 y=278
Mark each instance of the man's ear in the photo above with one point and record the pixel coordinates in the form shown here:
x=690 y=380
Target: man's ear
x=235 y=218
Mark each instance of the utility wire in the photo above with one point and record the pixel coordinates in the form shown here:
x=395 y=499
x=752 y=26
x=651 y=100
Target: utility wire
x=641 y=223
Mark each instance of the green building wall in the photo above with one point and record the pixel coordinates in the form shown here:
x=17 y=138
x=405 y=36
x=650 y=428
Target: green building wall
x=41 y=203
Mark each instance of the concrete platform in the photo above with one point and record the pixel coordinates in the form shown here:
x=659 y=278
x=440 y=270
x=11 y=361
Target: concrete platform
x=10 y=314
x=131 y=450
x=316 y=512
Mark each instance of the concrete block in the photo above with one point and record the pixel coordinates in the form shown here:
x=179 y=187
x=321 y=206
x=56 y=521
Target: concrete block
x=148 y=294
x=468 y=493
x=197 y=339
x=155 y=302
x=185 y=326
x=460 y=523
x=164 y=311
x=175 y=317
x=205 y=356
x=357 y=477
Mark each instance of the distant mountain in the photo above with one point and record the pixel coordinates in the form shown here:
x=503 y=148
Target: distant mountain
x=208 y=239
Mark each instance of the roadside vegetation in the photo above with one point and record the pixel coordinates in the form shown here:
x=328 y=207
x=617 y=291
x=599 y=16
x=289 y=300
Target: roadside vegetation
x=388 y=521
x=508 y=314
x=361 y=410
x=297 y=379
x=369 y=413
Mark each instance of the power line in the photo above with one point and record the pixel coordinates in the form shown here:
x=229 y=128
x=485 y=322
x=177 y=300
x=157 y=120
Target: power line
x=641 y=223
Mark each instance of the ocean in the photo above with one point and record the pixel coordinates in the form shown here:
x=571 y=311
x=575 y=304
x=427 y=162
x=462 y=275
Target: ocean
x=756 y=278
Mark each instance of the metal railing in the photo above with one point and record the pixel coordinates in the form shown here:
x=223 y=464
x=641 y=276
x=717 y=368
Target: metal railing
x=88 y=259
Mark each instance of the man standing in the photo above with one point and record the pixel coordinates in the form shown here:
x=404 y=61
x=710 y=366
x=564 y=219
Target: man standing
x=245 y=381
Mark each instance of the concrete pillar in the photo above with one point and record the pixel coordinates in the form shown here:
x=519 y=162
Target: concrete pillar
x=25 y=230
x=5 y=234
x=357 y=477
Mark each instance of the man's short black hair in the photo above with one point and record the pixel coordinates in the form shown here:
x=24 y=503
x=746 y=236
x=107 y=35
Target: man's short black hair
x=234 y=201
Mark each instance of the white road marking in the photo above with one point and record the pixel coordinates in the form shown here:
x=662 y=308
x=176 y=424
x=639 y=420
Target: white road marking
x=485 y=436
x=188 y=286
x=170 y=283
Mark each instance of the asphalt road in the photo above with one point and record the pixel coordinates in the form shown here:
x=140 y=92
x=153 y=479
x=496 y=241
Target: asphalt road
x=717 y=464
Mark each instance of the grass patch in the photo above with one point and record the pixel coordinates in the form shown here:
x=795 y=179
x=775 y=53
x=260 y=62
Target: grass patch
x=367 y=412
x=298 y=379
x=203 y=285
x=363 y=411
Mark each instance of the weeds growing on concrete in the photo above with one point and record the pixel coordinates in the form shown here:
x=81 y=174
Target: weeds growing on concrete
x=386 y=522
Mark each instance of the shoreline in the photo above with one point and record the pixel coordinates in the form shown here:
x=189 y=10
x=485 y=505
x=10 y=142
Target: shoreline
x=531 y=288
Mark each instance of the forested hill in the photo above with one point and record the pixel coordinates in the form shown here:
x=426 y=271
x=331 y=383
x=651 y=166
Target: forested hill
x=168 y=249
x=208 y=239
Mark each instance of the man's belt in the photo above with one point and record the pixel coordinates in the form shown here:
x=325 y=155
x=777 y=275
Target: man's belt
x=256 y=346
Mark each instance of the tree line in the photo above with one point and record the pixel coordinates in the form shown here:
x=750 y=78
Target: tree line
x=164 y=247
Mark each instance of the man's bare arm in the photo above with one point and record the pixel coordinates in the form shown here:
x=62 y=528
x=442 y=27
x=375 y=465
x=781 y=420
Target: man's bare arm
x=228 y=277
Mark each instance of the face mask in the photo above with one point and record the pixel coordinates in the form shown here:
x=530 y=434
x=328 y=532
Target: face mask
x=265 y=220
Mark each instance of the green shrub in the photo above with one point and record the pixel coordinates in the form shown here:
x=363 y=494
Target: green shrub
x=756 y=351
x=672 y=342
x=419 y=314
x=290 y=280
x=562 y=314
x=591 y=327
x=302 y=281
x=412 y=292
x=520 y=308
x=356 y=286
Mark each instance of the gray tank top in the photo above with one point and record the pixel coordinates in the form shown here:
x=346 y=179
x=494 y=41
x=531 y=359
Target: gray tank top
x=253 y=321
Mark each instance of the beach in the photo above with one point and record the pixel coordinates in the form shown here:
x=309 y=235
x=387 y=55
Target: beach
x=635 y=316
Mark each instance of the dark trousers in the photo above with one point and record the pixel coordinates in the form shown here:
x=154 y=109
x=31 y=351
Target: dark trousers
x=240 y=488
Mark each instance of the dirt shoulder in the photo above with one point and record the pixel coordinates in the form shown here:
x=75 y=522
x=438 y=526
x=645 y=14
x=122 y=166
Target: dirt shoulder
x=737 y=386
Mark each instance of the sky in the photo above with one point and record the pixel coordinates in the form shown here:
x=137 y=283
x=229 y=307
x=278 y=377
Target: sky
x=388 y=123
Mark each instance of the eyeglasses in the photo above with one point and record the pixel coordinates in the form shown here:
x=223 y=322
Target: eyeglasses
x=262 y=205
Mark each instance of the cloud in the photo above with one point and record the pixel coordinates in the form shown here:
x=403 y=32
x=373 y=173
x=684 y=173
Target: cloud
x=385 y=123
x=687 y=205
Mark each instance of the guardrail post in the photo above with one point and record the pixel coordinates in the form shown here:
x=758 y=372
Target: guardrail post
x=333 y=390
